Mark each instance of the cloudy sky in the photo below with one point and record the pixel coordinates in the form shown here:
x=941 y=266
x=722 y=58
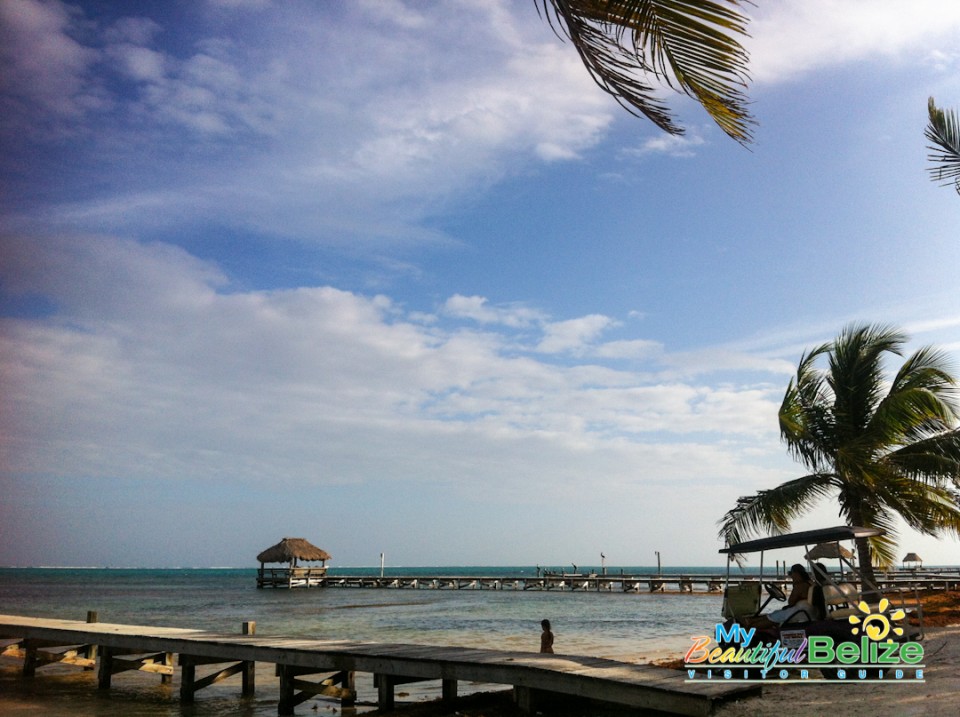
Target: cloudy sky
x=397 y=277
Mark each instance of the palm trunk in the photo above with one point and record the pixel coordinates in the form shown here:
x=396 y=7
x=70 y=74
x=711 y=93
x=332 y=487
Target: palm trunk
x=865 y=564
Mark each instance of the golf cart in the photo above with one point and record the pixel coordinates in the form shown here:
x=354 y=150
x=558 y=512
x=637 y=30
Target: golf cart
x=846 y=603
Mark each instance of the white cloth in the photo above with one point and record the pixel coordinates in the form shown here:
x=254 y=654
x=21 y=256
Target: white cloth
x=784 y=614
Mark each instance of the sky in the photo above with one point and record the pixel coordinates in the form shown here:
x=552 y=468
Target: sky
x=397 y=277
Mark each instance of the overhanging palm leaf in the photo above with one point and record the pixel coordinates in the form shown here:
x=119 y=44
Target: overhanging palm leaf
x=689 y=45
x=773 y=510
x=944 y=132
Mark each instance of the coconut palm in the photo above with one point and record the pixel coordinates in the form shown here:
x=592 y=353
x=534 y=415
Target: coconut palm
x=943 y=131
x=687 y=45
x=880 y=448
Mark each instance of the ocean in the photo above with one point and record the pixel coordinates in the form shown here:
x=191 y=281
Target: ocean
x=617 y=625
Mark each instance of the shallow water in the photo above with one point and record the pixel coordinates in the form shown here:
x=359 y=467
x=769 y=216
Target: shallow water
x=619 y=625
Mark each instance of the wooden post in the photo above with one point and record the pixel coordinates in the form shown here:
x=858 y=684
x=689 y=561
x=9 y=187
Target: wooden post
x=449 y=690
x=168 y=662
x=29 y=658
x=188 y=676
x=287 y=703
x=106 y=669
x=91 y=650
x=523 y=698
x=348 y=683
x=384 y=692
x=249 y=668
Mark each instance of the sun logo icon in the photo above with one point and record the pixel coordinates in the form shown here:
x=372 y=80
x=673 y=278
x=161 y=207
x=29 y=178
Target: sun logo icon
x=876 y=625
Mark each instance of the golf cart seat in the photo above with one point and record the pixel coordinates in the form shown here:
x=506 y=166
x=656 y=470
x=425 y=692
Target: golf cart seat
x=841 y=600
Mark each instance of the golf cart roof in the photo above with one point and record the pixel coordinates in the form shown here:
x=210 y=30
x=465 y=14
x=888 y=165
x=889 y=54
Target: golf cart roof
x=805 y=537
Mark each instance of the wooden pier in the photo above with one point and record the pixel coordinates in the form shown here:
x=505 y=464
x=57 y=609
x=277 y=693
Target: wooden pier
x=565 y=582
x=112 y=649
x=592 y=582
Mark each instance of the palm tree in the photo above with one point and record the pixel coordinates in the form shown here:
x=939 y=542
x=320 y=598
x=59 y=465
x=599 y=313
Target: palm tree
x=687 y=45
x=944 y=132
x=880 y=448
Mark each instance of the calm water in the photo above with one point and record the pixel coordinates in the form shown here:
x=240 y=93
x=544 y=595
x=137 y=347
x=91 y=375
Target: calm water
x=609 y=624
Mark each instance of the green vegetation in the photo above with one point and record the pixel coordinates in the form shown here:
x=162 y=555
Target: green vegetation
x=880 y=447
x=943 y=131
x=687 y=45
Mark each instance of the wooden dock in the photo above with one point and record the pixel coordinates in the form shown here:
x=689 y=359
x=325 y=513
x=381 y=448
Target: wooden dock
x=592 y=582
x=112 y=649
x=559 y=582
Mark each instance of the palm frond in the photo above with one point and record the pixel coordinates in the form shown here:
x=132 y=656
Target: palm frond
x=933 y=459
x=772 y=511
x=805 y=423
x=943 y=131
x=688 y=45
x=856 y=374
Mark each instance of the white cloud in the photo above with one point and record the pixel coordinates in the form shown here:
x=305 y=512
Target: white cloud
x=573 y=335
x=793 y=37
x=41 y=64
x=151 y=366
x=298 y=114
x=673 y=145
x=477 y=308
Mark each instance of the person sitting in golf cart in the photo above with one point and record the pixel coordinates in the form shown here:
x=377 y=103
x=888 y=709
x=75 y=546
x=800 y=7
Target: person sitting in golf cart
x=801 y=603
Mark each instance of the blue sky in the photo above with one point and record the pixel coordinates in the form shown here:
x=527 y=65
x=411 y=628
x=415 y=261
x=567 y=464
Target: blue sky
x=397 y=277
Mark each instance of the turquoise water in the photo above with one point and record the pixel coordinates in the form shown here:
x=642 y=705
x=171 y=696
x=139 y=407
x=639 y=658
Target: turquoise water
x=619 y=625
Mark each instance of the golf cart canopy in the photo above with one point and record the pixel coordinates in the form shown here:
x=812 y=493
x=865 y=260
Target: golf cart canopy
x=803 y=538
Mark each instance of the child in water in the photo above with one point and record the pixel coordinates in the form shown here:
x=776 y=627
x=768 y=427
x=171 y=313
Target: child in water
x=546 y=637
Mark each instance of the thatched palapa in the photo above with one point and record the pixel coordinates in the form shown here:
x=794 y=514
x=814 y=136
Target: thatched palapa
x=913 y=558
x=293 y=550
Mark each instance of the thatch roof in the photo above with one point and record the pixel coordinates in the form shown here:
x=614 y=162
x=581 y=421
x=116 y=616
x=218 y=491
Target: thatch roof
x=912 y=558
x=292 y=550
x=827 y=551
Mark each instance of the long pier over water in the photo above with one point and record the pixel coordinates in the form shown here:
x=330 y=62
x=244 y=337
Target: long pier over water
x=569 y=582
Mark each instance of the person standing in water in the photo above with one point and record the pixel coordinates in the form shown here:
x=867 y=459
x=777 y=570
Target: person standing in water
x=546 y=637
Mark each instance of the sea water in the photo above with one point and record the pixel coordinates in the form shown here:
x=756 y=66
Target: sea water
x=623 y=626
